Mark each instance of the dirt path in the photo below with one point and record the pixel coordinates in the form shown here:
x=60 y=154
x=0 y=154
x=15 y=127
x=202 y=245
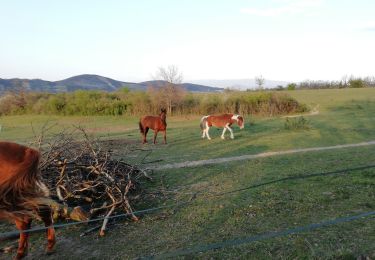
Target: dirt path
x=313 y=112
x=253 y=156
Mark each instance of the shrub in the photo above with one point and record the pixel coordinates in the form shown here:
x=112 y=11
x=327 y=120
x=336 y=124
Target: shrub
x=138 y=103
x=356 y=83
x=296 y=123
x=291 y=86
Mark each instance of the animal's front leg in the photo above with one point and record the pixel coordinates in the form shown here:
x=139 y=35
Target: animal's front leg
x=222 y=135
x=155 y=135
x=165 y=137
x=24 y=236
x=46 y=215
x=231 y=132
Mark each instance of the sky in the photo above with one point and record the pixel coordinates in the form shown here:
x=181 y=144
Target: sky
x=289 y=40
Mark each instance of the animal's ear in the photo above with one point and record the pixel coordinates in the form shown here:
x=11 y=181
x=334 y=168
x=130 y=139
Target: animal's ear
x=163 y=110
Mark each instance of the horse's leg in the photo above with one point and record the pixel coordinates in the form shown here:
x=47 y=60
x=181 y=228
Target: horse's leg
x=231 y=132
x=23 y=224
x=204 y=133
x=222 y=135
x=145 y=135
x=165 y=136
x=45 y=214
x=208 y=136
x=155 y=134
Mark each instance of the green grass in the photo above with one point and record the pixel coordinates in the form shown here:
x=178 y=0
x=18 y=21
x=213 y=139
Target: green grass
x=275 y=206
x=23 y=128
x=328 y=98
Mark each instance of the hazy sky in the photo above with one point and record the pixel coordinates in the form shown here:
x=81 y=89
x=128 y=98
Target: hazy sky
x=288 y=40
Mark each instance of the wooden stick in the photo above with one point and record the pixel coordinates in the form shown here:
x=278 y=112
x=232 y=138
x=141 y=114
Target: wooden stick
x=90 y=230
x=105 y=222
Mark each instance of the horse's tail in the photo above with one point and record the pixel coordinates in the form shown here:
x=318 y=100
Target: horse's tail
x=141 y=129
x=203 y=123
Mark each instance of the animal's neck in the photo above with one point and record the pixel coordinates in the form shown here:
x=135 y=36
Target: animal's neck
x=163 y=117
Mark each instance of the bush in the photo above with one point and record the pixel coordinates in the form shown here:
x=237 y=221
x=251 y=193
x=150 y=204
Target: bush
x=296 y=123
x=356 y=83
x=291 y=86
x=140 y=103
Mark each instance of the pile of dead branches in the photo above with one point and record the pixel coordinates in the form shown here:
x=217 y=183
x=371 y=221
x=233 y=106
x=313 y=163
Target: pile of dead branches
x=79 y=172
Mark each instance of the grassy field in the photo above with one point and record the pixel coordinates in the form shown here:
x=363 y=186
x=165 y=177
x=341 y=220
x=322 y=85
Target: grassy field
x=297 y=189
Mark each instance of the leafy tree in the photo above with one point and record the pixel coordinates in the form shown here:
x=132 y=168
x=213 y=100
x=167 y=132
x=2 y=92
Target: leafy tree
x=291 y=86
x=56 y=104
x=356 y=83
x=125 y=90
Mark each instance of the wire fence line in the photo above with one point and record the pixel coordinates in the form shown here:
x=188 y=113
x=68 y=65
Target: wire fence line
x=299 y=177
x=6 y=235
x=264 y=236
x=295 y=177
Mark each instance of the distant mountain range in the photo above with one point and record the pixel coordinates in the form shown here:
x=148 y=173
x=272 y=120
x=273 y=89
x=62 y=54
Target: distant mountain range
x=91 y=82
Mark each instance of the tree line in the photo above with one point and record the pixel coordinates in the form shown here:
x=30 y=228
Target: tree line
x=136 y=103
x=345 y=82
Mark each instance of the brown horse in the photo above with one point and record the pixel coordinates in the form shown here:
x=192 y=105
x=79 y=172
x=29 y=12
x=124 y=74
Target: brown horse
x=22 y=194
x=156 y=123
x=225 y=121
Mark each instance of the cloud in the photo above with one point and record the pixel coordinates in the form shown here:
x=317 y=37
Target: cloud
x=287 y=7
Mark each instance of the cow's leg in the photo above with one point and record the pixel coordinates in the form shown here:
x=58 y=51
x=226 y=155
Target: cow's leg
x=45 y=214
x=23 y=224
x=155 y=135
x=222 y=135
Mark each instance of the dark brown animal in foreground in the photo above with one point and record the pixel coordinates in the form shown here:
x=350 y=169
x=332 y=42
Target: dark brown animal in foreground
x=156 y=123
x=22 y=194
x=224 y=120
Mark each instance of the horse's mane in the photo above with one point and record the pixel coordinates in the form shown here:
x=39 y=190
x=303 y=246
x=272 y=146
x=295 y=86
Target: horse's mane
x=163 y=116
x=23 y=192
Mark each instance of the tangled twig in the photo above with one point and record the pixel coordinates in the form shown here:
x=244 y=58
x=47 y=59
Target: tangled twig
x=81 y=173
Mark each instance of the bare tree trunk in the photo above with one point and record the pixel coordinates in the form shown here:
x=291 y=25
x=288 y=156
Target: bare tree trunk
x=170 y=107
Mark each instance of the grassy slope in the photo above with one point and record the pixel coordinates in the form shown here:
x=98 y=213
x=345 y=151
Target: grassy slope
x=346 y=116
